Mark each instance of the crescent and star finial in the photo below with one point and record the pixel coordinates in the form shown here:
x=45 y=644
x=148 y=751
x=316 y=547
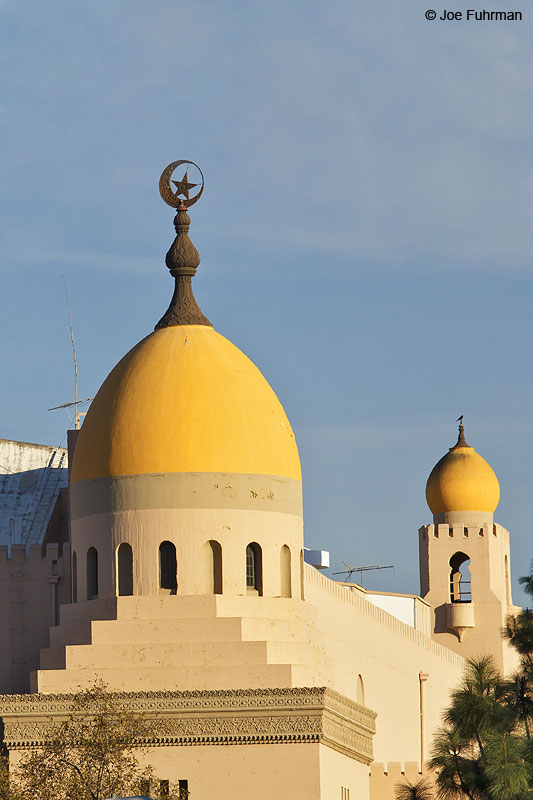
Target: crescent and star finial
x=182 y=258
x=181 y=197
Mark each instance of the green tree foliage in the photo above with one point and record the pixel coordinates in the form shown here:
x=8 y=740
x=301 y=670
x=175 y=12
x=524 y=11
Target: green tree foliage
x=519 y=629
x=6 y=792
x=89 y=756
x=481 y=752
x=484 y=751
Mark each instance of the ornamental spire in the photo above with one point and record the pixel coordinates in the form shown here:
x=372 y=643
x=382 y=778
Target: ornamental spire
x=461 y=441
x=182 y=258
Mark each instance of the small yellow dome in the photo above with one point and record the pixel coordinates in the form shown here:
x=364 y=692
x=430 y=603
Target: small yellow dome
x=462 y=481
x=185 y=400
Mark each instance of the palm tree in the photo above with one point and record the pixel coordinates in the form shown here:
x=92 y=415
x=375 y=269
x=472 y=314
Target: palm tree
x=421 y=790
x=476 y=707
x=527 y=580
x=519 y=696
x=519 y=633
x=456 y=762
x=505 y=769
x=481 y=753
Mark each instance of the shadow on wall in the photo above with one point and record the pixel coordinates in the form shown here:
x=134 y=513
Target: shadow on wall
x=441 y=624
x=27 y=500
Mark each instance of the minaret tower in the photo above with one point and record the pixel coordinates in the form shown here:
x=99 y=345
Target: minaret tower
x=465 y=571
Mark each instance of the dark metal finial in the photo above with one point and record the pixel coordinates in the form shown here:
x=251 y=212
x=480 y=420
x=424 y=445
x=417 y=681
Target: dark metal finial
x=182 y=258
x=461 y=441
x=182 y=187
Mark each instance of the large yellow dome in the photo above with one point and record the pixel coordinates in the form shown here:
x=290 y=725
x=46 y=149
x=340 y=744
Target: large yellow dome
x=462 y=481
x=185 y=400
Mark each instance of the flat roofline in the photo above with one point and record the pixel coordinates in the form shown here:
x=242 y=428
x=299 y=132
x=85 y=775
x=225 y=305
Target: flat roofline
x=32 y=444
x=388 y=594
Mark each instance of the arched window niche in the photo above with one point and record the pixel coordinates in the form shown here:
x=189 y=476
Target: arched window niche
x=92 y=574
x=216 y=566
x=168 y=569
x=360 y=691
x=460 y=582
x=74 y=577
x=254 y=569
x=507 y=581
x=125 y=569
x=285 y=571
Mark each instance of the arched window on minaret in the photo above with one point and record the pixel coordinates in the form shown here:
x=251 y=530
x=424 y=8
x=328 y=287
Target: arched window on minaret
x=92 y=573
x=168 y=569
x=460 y=582
x=507 y=582
x=254 y=569
x=285 y=570
x=216 y=561
x=125 y=569
x=360 y=691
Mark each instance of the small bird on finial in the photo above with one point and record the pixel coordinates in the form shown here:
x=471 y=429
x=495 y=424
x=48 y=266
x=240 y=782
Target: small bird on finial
x=461 y=441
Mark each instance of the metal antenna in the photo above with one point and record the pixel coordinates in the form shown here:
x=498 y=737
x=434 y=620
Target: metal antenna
x=349 y=571
x=76 y=412
x=77 y=402
x=69 y=405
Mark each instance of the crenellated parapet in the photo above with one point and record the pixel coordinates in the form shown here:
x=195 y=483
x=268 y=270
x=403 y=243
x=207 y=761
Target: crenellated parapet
x=34 y=554
x=465 y=575
x=384 y=778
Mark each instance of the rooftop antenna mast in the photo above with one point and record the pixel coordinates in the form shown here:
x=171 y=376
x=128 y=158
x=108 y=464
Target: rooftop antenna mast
x=349 y=571
x=76 y=403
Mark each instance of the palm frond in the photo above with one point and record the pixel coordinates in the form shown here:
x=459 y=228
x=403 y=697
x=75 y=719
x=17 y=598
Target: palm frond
x=476 y=705
x=420 y=790
x=527 y=580
x=506 y=769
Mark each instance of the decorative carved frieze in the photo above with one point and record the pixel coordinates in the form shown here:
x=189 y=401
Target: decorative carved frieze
x=228 y=717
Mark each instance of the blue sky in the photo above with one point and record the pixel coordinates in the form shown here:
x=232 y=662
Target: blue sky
x=366 y=231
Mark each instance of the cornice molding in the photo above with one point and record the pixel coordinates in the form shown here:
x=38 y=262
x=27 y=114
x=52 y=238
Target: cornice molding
x=227 y=717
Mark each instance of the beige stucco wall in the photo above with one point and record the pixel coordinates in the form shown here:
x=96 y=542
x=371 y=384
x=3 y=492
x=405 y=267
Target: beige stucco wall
x=389 y=655
x=292 y=771
x=310 y=741
x=189 y=510
x=220 y=641
x=262 y=772
x=190 y=530
x=338 y=772
x=384 y=778
x=27 y=581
